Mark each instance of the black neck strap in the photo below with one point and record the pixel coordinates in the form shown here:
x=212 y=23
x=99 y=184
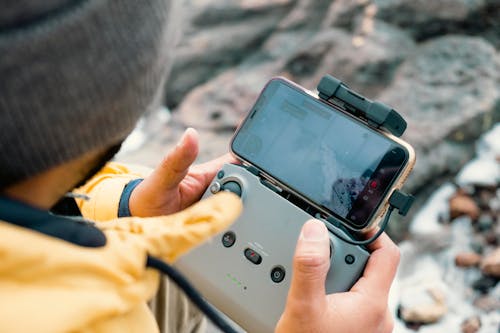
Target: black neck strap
x=76 y=231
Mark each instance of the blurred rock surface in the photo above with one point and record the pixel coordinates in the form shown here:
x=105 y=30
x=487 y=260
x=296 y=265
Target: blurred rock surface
x=490 y=265
x=484 y=284
x=467 y=259
x=397 y=51
x=471 y=325
x=449 y=92
x=436 y=62
x=218 y=35
x=423 y=305
x=450 y=250
x=463 y=204
x=487 y=303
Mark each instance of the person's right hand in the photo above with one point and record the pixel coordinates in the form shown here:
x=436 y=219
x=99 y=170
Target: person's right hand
x=361 y=309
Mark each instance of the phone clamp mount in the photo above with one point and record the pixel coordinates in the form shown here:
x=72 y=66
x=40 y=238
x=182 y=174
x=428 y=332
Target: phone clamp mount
x=377 y=114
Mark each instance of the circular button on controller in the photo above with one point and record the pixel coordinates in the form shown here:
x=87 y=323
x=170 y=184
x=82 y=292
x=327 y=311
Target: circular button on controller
x=215 y=187
x=228 y=239
x=349 y=259
x=278 y=274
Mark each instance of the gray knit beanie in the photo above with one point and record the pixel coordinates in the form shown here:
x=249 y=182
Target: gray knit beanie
x=75 y=75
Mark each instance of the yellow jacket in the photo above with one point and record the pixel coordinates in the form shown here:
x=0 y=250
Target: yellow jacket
x=51 y=285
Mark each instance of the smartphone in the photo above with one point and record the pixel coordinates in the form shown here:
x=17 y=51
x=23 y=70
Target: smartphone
x=322 y=154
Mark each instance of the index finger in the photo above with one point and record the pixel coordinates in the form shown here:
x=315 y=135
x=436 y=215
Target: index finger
x=381 y=267
x=173 y=168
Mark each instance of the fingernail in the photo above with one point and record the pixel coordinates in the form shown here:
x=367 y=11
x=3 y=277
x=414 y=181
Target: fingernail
x=183 y=137
x=314 y=230
x=191 y=130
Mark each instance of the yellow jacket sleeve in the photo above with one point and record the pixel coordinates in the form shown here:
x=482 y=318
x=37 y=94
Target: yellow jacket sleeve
x=50 y=285
x=105 y=188
x=169 y=237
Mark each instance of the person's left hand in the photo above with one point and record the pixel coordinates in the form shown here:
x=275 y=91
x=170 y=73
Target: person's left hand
x=174 y=185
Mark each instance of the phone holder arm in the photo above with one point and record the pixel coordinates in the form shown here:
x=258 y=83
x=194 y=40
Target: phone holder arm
x=377 y=114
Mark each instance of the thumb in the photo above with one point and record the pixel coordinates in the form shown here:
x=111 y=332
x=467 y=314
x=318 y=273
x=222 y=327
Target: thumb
x=175 y=165
x=310 y=265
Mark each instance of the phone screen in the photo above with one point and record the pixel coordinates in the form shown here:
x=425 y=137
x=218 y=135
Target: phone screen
x=337 y=162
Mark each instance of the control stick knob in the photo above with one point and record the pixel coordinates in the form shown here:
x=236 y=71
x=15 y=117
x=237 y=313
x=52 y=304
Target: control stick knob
x=232 y=186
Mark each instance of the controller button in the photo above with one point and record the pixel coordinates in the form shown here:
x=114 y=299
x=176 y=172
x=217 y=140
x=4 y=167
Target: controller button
x=220 y=174
x=228 y=239
x=215 y=187
x=253 y=256
x=232 y=186
x=349 y=259
x=277 y=274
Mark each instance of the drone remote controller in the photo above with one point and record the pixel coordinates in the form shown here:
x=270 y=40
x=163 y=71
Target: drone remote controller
x=246 y=271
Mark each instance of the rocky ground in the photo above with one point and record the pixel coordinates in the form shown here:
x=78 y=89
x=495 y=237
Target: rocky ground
x=436 y=62
x=450 y=265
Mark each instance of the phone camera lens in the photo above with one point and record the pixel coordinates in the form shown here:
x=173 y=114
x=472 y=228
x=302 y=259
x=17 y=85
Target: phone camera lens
x=278 y=274
x=398 y=155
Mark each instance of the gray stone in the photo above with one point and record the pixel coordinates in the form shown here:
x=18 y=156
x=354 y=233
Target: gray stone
x=210 y=51
x=429 y=19
x=306 y=15
x=282 y=44
x=345 y=13
x=408 y=12
x=209 y=13
x=220 y=104
x=219 y=35
x=447 y=88
x=423 y=19
x=365 y=62
x=449 y=92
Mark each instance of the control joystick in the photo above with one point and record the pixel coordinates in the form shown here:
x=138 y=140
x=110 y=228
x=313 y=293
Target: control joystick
x=232 y=186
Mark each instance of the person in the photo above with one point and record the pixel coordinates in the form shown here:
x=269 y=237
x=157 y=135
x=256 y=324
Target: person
x=75 y=77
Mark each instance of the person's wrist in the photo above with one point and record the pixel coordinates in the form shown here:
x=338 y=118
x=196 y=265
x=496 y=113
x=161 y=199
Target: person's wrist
x=124 y=204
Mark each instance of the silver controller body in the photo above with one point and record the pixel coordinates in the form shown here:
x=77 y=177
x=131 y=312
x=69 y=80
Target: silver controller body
x=245 y=272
